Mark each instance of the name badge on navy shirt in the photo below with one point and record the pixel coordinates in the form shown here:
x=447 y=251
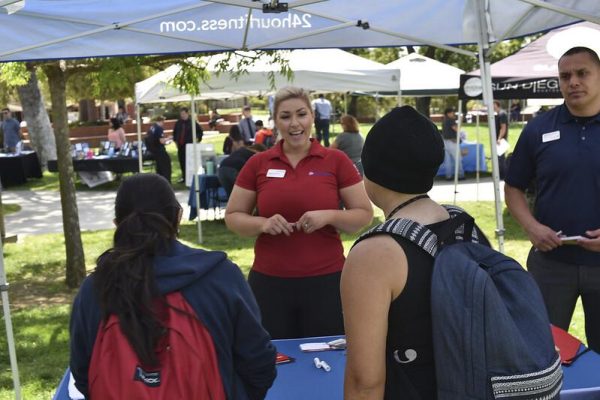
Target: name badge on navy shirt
x=550 y=136
x=275 y=173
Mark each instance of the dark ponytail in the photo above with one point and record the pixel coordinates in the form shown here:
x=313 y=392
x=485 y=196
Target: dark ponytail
x=147 y=216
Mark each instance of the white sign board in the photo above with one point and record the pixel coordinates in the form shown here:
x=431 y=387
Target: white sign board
x=204 y=151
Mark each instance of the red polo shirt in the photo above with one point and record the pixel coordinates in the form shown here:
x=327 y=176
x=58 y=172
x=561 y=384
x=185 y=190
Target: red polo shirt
x=313 y=185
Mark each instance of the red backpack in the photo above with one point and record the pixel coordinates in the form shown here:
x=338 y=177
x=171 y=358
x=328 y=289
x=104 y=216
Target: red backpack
x=188 y=363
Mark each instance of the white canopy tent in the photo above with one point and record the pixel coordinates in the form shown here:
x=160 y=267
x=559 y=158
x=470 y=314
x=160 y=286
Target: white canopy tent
x=325 y=70
x=58 y=29
x=424 y=76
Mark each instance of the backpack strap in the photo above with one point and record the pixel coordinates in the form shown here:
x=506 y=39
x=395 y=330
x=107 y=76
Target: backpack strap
x=423 y=237
x=408 y=229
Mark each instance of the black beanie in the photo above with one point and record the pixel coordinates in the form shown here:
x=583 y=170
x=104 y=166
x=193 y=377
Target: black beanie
x=403 y=151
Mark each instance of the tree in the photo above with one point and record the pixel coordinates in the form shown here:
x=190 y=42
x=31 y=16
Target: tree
x=38 y=123
x=22 y=78
x=75 y=264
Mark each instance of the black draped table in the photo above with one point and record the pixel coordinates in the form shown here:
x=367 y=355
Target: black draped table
x=15 y=169
x=115 y=164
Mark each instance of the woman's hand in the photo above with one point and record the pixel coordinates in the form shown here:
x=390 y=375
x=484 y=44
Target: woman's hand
x=277 y=225
x=312 y=221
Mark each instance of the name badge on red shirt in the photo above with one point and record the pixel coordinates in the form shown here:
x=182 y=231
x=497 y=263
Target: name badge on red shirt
x=275 y=173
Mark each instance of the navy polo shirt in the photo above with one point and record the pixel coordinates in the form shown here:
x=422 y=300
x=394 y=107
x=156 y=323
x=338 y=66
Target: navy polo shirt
x=562 y=156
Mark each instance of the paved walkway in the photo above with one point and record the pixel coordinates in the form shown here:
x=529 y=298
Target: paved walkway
x=41 y=210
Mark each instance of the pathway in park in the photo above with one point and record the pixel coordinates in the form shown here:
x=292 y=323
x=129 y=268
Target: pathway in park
x=41 y=212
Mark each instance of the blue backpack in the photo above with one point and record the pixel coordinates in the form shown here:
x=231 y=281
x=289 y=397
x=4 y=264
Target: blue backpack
x=491 y=333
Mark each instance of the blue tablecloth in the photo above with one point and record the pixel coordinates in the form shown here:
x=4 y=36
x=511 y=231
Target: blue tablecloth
x=301 y=380
x=470 y=159
x=212 y=194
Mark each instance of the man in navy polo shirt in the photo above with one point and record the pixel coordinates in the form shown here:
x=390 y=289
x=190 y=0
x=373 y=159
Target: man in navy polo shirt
x=559 y=152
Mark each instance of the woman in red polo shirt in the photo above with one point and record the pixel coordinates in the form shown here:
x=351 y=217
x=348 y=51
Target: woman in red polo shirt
x=296 y=188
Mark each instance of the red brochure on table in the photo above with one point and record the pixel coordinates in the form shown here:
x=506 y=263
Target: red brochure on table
x=567 y=344
x=283 y=359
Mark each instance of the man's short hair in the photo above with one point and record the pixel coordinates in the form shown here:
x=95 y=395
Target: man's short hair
x=184 y=109
x=497 y=102
x=246 y=108
x=448 y=110
x=5 y=109
x=259 y=123
x=159 y=118
x=581 y=49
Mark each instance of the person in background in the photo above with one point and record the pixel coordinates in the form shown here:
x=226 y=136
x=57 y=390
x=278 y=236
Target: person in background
x=146 y=263
x=501 y=133
x=11 y=129
x=122 y=115
x=558 y=151
x=350 y=141
x=449 y=128
x=116 y=133
x=515 y=111
x=182 y=135
x=297 y=187
x=322 y=110
x=213 y=119
x=233 y=141
x=386 y=280
x=247 y=125
x=264 y=135
x=155 y=142
x=231 y=166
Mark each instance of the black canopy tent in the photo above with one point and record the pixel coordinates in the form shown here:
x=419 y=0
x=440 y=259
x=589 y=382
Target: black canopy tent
x=532 y=72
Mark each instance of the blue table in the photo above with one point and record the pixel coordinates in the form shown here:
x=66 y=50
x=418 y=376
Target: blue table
x=212 y=194
x=470 y=159
x=300 y=379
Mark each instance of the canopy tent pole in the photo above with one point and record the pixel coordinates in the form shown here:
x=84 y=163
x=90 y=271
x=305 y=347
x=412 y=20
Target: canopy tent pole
x=399 y=89
x=196 y=163
x=477 y=162
x=563 y=10
x=457 y=155
x=484 y=65
x=10 y=338
x=138 y=120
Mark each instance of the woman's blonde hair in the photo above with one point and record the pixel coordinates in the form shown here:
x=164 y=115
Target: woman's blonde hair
x=349 y=124
x=290 y=92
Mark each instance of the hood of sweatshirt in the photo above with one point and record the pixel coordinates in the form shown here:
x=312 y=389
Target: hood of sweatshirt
x=184 y=265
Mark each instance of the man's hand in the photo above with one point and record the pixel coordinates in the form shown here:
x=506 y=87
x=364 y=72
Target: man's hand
x=543 y=238
x=592 y=244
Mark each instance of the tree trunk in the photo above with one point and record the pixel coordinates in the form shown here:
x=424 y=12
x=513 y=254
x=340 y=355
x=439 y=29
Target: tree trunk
x=38 y=122
x=75 y=268
x=353 y=106
x=423 y=104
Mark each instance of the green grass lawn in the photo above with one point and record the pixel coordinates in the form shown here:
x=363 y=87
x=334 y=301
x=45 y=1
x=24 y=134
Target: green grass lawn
x=40 y=302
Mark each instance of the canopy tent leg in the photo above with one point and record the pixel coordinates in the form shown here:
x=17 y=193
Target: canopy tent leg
x=138 y=120
x=399 y=89
x=484 y=64
x=196 y=163
x=10 y=338
x=457 y=154
x=477 y=163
